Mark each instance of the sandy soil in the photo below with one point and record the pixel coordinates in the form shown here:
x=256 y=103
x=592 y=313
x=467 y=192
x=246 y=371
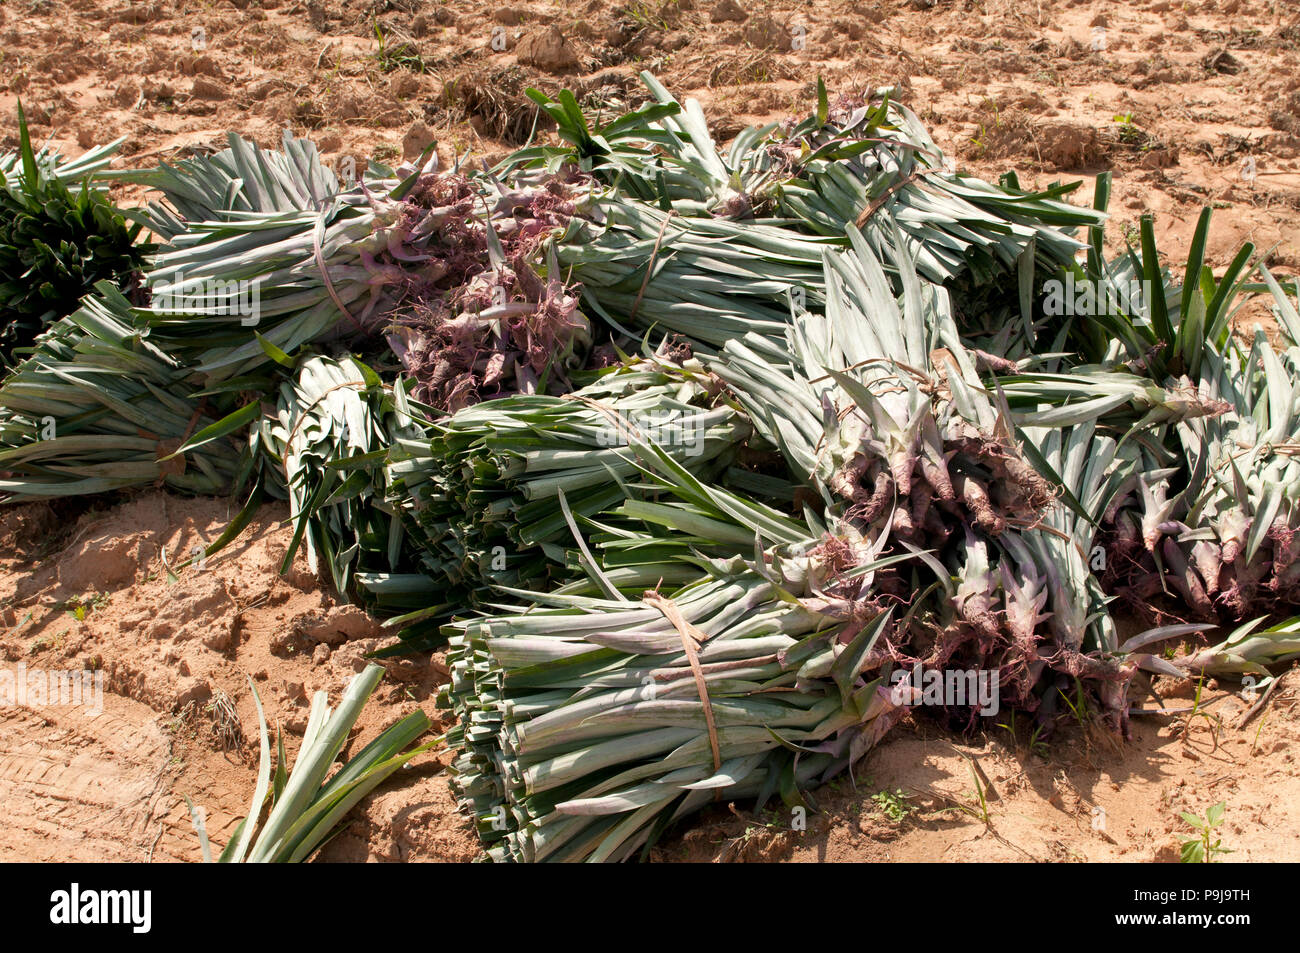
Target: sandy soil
x=98 y=595
x=1189 y=104
x=94 y=593
x=1182 y=99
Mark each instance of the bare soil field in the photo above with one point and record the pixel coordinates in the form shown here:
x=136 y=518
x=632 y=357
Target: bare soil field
x=1186 y=104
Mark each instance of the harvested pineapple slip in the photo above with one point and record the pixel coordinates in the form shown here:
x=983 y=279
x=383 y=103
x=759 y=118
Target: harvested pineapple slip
x=589 y=720
x=484 y=488
x=687 y=454
x=59 y=237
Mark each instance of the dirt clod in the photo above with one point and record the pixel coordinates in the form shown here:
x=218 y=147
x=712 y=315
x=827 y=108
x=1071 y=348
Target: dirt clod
x=547 y=50
x=418 y=138
x=763 y=33
x=210 y=89
x=728 y=11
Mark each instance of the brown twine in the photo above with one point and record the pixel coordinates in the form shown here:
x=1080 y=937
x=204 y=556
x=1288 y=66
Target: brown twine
x=673 y=674
x=194 y=420
x=874 y=207
x=692 y=638
x=189 y=432
x=306 y=412
x=317 y=232
x=1039 y=525
x=650 y=267
x=620 y=422
x=921 y=376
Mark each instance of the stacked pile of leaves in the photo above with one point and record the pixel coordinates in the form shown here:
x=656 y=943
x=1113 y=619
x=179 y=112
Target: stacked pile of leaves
x=688 y=454
x=59 y=236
